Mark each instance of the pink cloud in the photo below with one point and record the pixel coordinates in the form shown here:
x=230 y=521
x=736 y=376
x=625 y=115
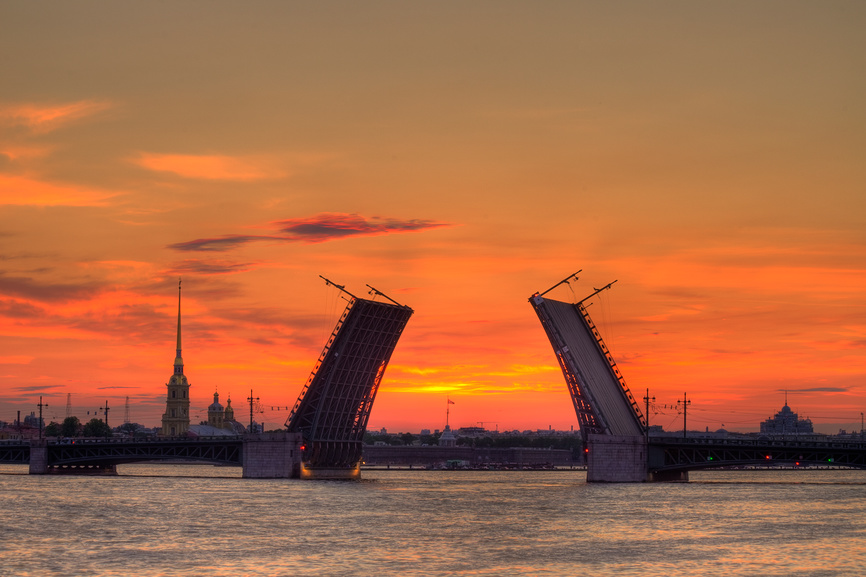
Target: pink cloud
x=319 y=228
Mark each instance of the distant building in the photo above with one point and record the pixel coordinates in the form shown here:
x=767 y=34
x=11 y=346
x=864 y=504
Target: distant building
x=447 y=438
x=215 y=412
x=471 y=431
x=32 y=420
x=220 y=422
x=786 y=422
x=175 y=421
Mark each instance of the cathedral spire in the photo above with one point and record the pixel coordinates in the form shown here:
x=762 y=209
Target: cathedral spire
x=178 y=361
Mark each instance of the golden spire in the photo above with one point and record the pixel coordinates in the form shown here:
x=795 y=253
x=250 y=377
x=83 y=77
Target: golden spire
x=178 y=361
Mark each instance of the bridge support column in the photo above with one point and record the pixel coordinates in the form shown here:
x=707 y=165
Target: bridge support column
x=39 y=457
x=272 y=456
x=616 y=459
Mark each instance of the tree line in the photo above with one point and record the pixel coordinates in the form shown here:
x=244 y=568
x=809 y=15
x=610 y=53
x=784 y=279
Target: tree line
x=72 y=427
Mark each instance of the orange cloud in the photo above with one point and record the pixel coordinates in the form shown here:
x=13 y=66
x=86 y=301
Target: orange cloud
x=23 y=191
x=211 y=167
x=48 y=118
x=16 y=360
x=24 y=152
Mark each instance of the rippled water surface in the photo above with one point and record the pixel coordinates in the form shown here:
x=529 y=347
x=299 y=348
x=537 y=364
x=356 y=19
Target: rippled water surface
x=201 y=520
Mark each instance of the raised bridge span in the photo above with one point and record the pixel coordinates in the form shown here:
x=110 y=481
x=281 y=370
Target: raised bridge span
x=333 y=408
x=615 y=430
x=325 y=431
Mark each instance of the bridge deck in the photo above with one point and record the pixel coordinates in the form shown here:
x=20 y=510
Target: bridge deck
x=601 y=398
x=334 y=406
x=676 y=454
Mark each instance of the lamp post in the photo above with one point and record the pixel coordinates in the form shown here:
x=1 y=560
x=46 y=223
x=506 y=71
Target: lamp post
x=252 y=400
x=41 y=404
x=685 y=402
x=647 y=399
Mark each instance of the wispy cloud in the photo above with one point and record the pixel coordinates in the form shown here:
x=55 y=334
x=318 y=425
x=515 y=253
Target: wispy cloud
x=16 y=152
x=10 y=308
x=212 y=166
x=195 y=266
x=35 y=388
x=23 y=191
x=16 y=360
x=330 y=226
x=817 y=390
x=45 y=118
x=27 y=288
x=319 y=228
x=114 y=387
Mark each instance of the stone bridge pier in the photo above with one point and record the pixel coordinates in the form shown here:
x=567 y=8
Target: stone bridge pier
x=617 y=459
x=272 y=456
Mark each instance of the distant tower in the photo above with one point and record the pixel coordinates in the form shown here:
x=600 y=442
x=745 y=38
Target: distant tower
x=68 y=405
x=215 y=414
x=175 y=421
x=126 y=412
x=230 y=412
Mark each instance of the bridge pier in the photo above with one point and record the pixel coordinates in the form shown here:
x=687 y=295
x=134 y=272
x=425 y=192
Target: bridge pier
x=272 y=456
x=39 y=457
x=616 y=459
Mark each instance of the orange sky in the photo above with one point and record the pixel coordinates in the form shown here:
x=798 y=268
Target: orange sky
x=458 y=158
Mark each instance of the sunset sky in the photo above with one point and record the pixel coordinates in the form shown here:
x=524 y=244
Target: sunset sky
x=458 y=156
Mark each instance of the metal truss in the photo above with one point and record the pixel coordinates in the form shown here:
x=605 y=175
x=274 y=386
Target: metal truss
x=111 y=451
x=334 y=406
x=588 y=418
x=614 y=369
x=14 y=452
x=668 y=454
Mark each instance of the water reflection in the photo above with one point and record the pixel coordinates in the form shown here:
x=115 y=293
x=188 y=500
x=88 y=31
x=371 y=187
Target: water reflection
x=157 y=519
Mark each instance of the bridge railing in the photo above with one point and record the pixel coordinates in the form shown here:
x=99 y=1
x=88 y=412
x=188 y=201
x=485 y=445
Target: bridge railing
x=821 y=444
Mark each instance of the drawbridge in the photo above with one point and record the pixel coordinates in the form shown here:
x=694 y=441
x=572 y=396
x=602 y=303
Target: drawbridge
x=333 y=408
x=610 y=419
x=602 y=400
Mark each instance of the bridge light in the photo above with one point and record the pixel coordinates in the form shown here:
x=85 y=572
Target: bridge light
x=768 y=456
x=709 y=458
x=797 y=463
x=830 y=460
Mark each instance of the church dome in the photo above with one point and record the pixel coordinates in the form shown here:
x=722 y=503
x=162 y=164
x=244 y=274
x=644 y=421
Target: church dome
x=215 y=406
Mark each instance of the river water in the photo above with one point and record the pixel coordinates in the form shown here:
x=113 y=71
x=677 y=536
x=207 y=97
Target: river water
x=155 y=520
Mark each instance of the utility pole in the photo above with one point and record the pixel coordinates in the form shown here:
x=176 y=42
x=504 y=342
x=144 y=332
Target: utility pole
x=685 y=402
x=647 y=399
x=252 y=400
x=41 y=404
x=105 y=410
